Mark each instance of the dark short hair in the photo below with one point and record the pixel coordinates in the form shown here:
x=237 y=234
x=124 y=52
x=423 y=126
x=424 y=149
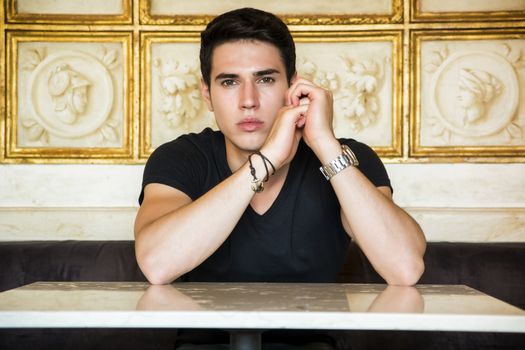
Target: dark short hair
x=247 y=24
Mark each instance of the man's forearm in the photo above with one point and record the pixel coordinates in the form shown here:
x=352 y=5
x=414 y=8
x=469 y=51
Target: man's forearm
x=180 y=240
x=390 y=238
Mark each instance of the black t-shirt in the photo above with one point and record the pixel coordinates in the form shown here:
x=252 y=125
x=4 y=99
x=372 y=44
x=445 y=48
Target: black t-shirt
x=300 y=238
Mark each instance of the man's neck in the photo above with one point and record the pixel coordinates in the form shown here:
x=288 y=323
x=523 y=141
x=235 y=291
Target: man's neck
x=235 y=157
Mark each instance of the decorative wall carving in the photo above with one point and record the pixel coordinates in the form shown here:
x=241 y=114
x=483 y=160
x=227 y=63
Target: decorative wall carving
x=179 y=87
x=115 y=112
x=362 y=71
x=362 y=83
x=310 y=12
x=171 y=90
x=68 y=11
x=72 y=96
x=460 y=11
x=470 y=95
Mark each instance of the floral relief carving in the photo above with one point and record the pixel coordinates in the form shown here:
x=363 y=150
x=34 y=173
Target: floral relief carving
x=355 y=89
x=70 y=95
x=173 y=102
x=180 y=94
x=474 y=93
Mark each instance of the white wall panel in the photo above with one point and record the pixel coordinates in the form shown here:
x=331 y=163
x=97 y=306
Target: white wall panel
x=415 y=185
x=438 y=224
x=458 y=185
x=70 y=185
x=452 y=202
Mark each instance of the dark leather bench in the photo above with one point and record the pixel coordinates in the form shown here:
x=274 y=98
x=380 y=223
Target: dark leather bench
x=496 y=269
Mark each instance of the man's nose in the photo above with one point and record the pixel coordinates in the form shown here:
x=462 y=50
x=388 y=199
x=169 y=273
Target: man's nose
x=249 y=96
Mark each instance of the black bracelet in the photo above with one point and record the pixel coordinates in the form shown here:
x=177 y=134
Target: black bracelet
x=257 y=185
x=265 y=159
x=252 y=169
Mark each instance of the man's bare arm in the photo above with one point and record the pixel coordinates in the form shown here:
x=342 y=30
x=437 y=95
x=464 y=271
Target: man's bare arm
x=390 y=238
x=174 y=234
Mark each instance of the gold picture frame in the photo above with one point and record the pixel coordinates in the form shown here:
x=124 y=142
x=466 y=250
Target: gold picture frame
x=38 y=136
x=290 y=18
x=418 y=15
x=14 y=17
x=466 y=63
x=392 y=86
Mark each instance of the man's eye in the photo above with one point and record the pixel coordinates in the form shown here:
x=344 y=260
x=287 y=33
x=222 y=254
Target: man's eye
x=228 y=82
x=267 y=80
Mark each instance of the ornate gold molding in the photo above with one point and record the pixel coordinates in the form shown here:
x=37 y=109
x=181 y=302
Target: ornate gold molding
x=396 y=16
x=146 y=41
x=3 y=82
x=418 y=15
x=13 y=16
x=481 y=82
x=50 y=71
x=184 y=90
x=393 y=37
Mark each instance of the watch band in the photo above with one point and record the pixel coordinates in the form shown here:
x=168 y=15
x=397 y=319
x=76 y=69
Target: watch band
x=343 y=161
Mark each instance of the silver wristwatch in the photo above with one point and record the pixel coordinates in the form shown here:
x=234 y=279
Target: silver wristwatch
x=343 y=161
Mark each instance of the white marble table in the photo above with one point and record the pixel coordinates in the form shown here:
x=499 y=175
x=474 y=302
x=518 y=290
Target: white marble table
x=257 y=306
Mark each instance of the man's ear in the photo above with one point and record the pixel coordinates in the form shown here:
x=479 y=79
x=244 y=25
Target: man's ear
x=205 y=91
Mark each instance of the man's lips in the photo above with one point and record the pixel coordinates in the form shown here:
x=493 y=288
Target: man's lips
x=250 y=124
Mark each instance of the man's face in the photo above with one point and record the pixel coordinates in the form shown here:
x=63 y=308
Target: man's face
x=247 y=89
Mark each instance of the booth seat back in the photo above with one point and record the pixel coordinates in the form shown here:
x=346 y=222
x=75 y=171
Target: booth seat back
x=493 y=268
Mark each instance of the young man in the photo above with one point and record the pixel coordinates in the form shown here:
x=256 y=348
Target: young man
x=248 y=202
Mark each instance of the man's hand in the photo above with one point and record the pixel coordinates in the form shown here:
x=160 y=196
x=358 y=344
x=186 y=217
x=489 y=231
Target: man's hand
x=308 y=114
x=282 y=141
x=319 y=115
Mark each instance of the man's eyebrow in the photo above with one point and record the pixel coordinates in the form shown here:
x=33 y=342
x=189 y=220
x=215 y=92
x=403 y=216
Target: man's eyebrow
x=226 y=76
x=260 y=73
x=266 y=72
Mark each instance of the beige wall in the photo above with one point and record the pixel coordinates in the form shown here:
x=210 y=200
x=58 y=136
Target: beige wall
x=443 y=85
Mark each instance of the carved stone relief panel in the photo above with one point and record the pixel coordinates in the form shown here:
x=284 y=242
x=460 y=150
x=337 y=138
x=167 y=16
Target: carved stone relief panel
x=453 y=10
x=310 y=12
x=360 y=72
x=171 y=90
x=71 y=98
x=358 y=68
x=470 y=91
x=69 y=11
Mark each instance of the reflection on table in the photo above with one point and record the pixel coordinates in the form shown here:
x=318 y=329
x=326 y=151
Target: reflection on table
x=257 y=306
x=283 y=297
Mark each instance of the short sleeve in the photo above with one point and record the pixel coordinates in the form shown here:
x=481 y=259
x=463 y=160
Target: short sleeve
x=369 y=163
x=179 y=164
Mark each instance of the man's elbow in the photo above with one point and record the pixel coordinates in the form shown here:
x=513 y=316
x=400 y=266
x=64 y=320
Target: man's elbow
x=152 y=271
x=155 y=271
x=156 y=277
x=409 y=274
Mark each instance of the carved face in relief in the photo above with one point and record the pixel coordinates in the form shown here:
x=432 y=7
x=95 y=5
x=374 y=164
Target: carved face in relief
x=68 y=90
x=466 y=98
x=79 y=98
x=476 y=89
